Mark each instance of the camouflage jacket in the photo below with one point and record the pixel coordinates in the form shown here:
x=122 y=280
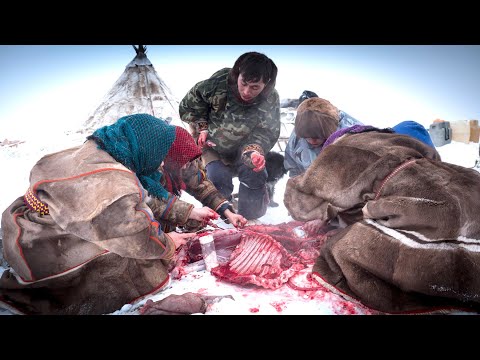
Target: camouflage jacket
x=235 y=127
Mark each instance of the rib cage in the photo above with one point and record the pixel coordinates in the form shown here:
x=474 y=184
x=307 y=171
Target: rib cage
x=260 y=260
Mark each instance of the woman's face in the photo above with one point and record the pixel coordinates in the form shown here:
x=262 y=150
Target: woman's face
x=162 y=166
x=249 y=90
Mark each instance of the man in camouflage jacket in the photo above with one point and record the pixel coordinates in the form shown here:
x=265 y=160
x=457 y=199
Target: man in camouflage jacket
x=235 y=116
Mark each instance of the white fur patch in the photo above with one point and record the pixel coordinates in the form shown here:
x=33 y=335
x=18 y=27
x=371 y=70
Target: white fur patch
x=472 y=245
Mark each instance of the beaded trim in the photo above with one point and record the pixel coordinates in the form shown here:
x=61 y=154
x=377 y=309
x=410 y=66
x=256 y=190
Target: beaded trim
x=202 y=125
x=33 y=203
x=392 y=174
x=253 y=147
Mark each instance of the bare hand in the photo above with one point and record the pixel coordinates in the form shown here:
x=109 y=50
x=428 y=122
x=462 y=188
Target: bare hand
x=258 y=160
x=313 y=227
x=236 y=220
x=204 y=214
x=181 y=239
x=202 y=138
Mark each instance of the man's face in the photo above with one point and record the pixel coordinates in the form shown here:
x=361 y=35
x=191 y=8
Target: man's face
x=249 y=90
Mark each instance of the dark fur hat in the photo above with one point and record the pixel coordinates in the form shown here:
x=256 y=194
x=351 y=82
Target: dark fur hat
x=316 y=118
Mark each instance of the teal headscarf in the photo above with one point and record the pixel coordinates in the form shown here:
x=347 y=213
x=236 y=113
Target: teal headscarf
x=140 y=142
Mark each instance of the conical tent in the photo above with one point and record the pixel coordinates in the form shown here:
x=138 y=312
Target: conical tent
x=138 y=90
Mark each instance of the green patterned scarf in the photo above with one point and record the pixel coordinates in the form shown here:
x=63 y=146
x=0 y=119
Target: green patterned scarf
x=140 y=142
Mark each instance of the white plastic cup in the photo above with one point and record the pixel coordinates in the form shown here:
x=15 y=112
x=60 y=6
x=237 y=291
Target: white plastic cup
x=208 y=251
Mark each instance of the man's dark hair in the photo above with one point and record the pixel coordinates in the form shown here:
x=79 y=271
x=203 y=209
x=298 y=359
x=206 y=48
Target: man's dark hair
x=254 y=67
x=306 y=94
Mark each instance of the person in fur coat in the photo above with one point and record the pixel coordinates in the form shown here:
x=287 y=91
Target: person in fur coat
x=315 y=121
x=408 y=234
x=87 y=238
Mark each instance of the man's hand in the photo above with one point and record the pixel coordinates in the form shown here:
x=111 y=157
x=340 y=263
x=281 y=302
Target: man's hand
x=202 y=138
x=258 y=160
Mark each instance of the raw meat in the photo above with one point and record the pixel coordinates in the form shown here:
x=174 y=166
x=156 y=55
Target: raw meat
x=259 y=259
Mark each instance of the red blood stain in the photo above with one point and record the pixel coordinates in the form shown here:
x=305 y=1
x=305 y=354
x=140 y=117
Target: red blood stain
x=345 y=308
x=301 y=285
x=279 y=306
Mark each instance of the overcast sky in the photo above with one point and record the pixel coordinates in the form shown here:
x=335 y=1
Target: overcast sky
x=56 y=85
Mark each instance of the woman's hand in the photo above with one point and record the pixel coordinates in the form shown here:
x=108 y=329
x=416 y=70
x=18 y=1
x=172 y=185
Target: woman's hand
x=204 y=214
x=181 y=239
x=313 y=227
x=236 y=220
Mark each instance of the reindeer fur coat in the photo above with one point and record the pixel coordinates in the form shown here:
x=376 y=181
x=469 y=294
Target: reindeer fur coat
x=410 y=237
x=97 y=249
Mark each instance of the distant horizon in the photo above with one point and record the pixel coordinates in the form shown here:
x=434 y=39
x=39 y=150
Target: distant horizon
x=47 y=87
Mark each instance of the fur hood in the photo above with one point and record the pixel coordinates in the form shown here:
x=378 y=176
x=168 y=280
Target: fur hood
x=316 y=118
